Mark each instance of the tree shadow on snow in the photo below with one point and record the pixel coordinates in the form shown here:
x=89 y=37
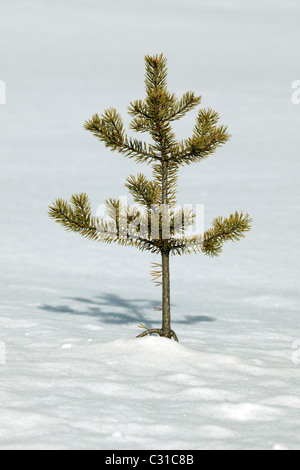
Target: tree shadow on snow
x=113 y=309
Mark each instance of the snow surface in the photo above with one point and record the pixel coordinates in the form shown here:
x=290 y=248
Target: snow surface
x=73 y=375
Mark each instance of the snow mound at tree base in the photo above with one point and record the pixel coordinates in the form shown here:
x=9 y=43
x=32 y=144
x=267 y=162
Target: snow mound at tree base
x=142 y=393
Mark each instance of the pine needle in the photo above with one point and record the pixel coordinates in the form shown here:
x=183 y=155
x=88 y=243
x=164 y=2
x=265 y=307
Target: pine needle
x=142 y=326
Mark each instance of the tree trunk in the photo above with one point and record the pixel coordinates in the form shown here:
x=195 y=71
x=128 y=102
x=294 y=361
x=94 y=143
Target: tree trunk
x=164 y=233
x=165 y=255
x=166 y=308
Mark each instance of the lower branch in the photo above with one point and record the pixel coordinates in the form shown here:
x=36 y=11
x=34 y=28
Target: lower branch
x=170 y=334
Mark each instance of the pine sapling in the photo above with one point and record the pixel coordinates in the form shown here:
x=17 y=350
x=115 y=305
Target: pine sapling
x=155 y=223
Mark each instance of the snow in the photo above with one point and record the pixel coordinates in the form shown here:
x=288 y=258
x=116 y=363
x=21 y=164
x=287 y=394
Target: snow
x=73 y=375
x=143 y=393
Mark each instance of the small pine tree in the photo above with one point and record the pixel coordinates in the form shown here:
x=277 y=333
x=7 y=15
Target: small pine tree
x=161 y=227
